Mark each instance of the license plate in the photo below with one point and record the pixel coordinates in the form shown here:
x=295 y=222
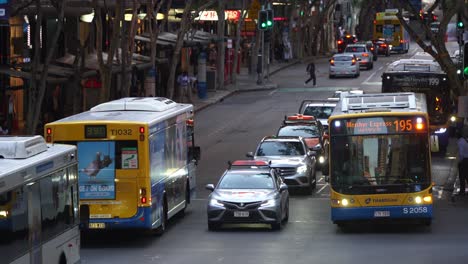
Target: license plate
x=241 y=214
x=97 y=225
x=381 y=213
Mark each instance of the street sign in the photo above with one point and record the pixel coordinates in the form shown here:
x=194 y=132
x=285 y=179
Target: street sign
x=253 y=10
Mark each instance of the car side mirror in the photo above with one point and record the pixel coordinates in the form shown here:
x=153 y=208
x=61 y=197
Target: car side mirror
x=249 y=155
x=210 y=187
x=283 y=187
x=311 y=153
x=84 y=216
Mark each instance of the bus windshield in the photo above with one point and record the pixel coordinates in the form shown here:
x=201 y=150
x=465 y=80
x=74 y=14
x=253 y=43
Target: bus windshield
x=365 y=163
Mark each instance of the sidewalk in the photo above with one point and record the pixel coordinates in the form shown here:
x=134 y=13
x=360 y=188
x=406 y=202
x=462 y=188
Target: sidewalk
x=245 y=82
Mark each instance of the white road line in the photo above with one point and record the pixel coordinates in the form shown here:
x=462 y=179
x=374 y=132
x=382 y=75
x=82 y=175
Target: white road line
x=321 y=189
x=368 y=78
x=272 y=92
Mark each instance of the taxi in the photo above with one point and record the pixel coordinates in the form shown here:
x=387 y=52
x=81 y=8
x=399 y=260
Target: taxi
x=249 y=191
x=313 y=132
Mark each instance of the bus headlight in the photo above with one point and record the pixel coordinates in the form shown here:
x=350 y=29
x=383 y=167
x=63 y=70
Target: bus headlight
x=344 y=202
x=453 y=118
x=441 y=130
x=4 y=213
x=418 y=199
x=301 y=169
x=427 y=199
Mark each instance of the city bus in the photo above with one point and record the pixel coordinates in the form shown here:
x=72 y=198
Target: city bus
x=388 y=26
x=39 y=221
x=137 y=161
x=422 y=75
x=380 y=162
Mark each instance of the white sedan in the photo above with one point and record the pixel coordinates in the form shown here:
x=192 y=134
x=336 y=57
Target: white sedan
x=344 y=65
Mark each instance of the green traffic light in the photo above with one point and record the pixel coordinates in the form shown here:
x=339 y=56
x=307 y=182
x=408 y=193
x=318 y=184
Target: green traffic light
x=269 y=23
x=264 y=25
x=465 y=71
x=460 y=24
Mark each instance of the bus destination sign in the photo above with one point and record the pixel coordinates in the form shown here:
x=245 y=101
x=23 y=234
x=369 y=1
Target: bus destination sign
x=379 y=125
x=95 y=131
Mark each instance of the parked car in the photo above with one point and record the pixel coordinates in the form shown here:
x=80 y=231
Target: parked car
x=361 y=52
x=291 y=157
x=382 y=46
x=249 y=191
x=343 y=64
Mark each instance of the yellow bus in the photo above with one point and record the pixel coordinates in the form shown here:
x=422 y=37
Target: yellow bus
x=387 y=26
x=137 y=160
x=380 y=162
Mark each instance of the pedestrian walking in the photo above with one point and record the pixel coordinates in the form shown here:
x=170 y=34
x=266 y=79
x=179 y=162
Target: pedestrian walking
x=183 y=81
x=462 y=161
x=311 y=70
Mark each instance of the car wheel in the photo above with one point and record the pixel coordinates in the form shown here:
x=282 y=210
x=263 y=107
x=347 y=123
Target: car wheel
x=331 y=76
x=213 y=226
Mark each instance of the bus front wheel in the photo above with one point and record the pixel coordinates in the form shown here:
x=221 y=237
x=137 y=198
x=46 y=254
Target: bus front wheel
x=162 y=228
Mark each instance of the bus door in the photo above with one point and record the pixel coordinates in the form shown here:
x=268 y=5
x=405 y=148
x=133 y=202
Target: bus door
x=35 y=223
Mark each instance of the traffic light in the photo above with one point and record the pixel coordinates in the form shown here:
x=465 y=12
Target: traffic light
x=270 y=17
x=262 y=19
x=460 y=25
x=465 y=60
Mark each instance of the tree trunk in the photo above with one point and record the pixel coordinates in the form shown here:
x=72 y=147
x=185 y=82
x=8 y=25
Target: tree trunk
x=37 y=106
x=221 y=48
x=237 y=49
x=184 y=25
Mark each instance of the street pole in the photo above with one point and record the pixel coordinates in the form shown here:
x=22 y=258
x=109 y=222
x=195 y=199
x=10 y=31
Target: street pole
x=260 y=61
x=268 y=61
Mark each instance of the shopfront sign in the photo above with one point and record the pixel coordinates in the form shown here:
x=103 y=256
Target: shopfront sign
x=211 y=15
x=4 y=9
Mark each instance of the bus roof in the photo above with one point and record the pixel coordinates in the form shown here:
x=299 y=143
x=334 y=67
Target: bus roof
x=415 y=65
x=380 y=102
x=26 y=158
x=147 y=110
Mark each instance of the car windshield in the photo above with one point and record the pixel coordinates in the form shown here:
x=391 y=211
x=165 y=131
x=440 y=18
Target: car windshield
x=246 y=181
x=299 y=131
x=355 y=49
x=320 y=112
x=343 y=58
x=281 y=148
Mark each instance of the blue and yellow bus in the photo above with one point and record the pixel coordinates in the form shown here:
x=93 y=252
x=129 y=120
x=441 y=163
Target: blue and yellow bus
x=137 y=161
x=380 y=162
x=388 y=26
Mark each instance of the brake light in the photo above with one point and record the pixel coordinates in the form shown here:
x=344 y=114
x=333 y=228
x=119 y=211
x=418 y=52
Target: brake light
x=142 y=133
x=365 y=55
x=401 y=41
x=49 y=133
x=340 y=42
x=372 y=48
x=249 y=163
x=143 y=198
x=383 y=45
x=332 y=62
x=300 y=117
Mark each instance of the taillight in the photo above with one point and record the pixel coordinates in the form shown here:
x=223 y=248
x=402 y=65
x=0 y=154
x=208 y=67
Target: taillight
x=332 y=62
x=365 y=55
x=142 y=133
x=384 y=45
x=401 y=41
x=143 y=198
x=49 y=134
x=340 y=42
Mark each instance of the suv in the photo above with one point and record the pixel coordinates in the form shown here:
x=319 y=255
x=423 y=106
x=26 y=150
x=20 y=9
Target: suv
x=312 y=131
x=361 y=51
x=382 y=46
x=345 y=41
x=291 y=157
x=320 y=109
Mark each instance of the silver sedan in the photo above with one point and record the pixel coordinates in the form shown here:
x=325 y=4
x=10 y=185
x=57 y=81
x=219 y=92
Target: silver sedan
x=344 y=65
x=248 y=195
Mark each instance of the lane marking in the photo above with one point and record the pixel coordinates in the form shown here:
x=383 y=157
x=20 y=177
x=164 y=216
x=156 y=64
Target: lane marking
x=321 y=189
x=272 y=92
x=368 y=78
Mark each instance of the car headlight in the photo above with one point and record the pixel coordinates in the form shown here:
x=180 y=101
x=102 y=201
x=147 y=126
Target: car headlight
x=269 y=203
x=301 y=169
x=321 y=159
x=214 y=202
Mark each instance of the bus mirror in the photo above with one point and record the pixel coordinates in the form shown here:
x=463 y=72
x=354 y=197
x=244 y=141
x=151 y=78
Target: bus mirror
x=84 y=216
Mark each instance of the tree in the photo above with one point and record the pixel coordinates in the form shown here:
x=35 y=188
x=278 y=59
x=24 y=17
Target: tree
x=240 y=24
x=38 y=82
x=220 y=41
x=436 y=48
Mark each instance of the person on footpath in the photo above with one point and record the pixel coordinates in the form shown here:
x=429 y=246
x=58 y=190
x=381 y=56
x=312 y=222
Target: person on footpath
x=184 y=88
x=311 y=70
x=462 y=144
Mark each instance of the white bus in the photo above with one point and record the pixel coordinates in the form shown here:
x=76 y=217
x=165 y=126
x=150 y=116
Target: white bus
x=39 y=220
